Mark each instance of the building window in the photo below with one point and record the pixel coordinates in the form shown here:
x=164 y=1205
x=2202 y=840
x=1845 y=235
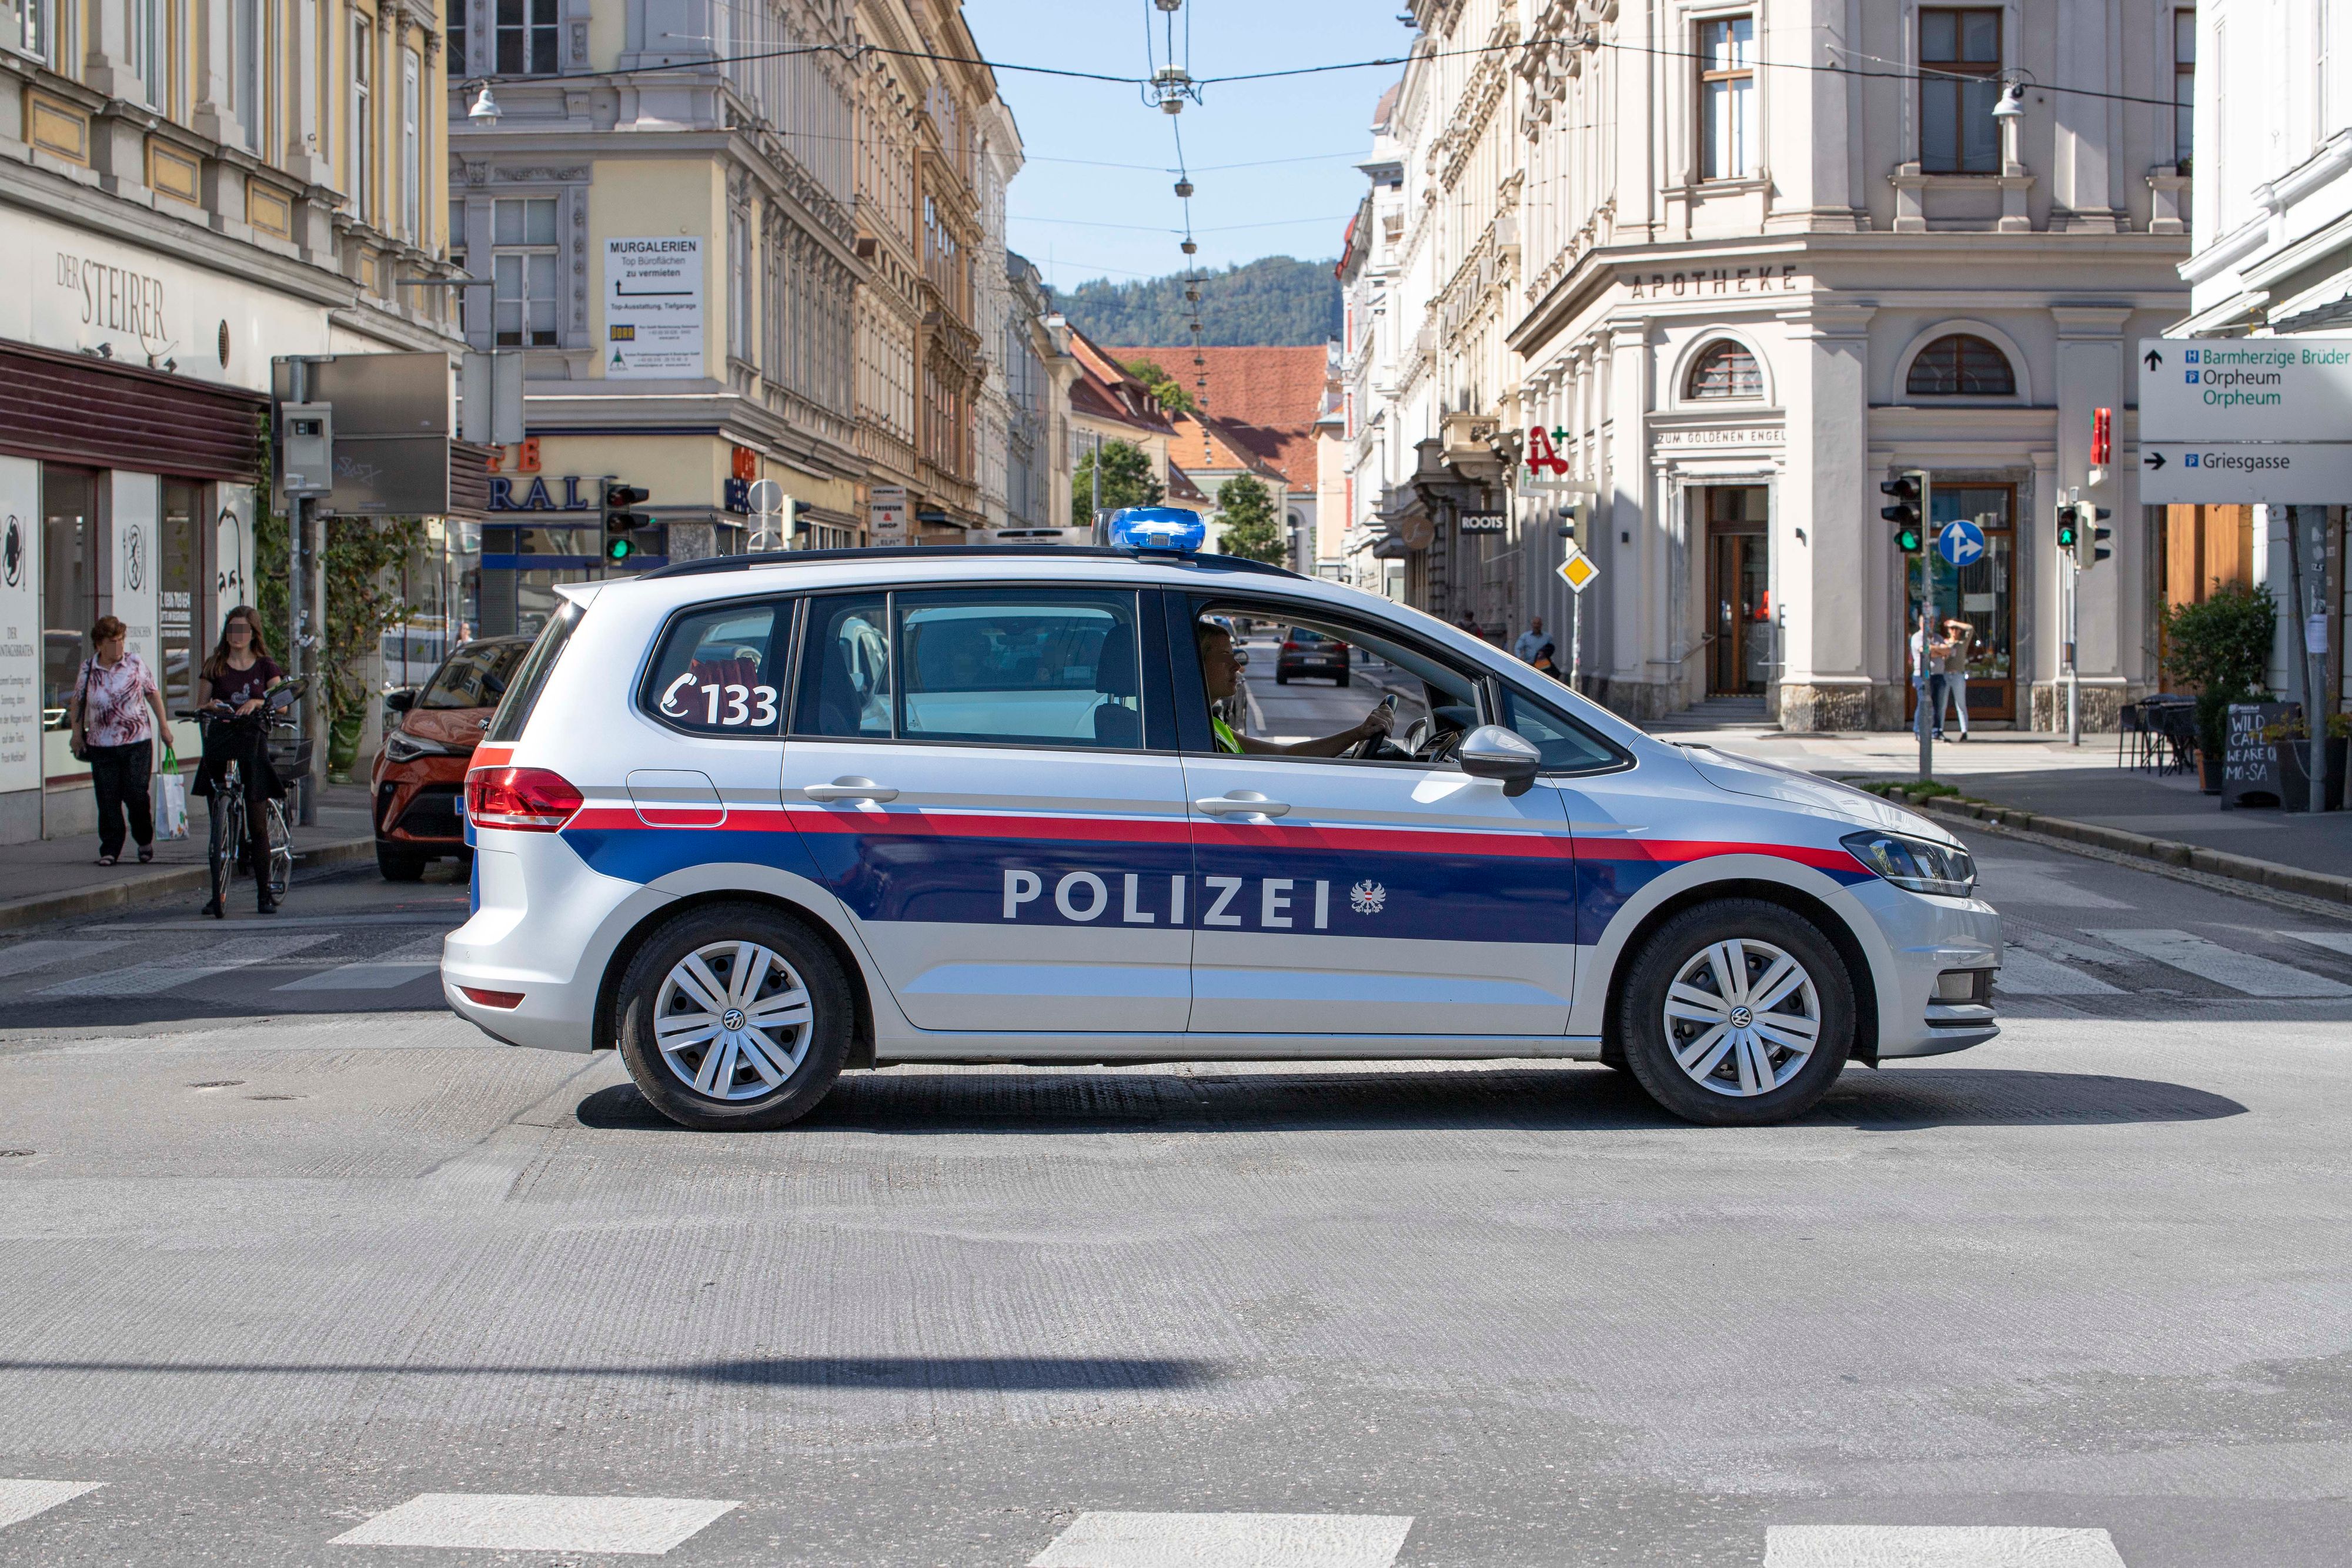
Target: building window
x=1962 y=365
x=362 y=137
x=527 y=31
x=2184 y=83
x=1725 y=369
x=458 y=66
x=412 y=163
x=1959 y=83
x=147 y=48
x=457 y=258
x=523 y=272
x=244 y=66
x=24 y=25
x=1726 y=87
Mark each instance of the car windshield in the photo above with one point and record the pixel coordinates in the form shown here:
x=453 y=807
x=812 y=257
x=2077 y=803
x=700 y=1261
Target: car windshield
x=475 y=675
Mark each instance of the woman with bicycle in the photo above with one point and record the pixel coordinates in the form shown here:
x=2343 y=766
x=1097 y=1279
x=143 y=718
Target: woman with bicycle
x=232 y=694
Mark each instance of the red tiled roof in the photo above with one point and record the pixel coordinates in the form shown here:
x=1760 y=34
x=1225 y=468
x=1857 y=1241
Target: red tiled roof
x=1180 y=486
x=1265 y=399
x=1105 y=391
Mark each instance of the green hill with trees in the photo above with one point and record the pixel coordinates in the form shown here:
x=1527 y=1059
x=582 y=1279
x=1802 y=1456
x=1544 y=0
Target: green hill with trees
x=1276 y=301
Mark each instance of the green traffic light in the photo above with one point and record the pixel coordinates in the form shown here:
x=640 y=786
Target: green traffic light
x=619 y=549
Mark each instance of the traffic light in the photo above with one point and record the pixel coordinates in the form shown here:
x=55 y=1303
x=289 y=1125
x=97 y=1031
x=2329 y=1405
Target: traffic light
x=1909 y=512
x=2081 y=534
x=620 y=524
x=1572 y=516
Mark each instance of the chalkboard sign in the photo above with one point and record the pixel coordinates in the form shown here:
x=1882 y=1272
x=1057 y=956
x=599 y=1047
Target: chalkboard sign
x=2250 y=765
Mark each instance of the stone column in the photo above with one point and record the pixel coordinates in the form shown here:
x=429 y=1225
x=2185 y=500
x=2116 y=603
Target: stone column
x=1843 y=592
x=1623 y=476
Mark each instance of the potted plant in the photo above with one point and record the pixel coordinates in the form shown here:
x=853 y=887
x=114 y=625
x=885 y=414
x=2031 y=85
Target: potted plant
x=2219 y=649
x=2291 y=739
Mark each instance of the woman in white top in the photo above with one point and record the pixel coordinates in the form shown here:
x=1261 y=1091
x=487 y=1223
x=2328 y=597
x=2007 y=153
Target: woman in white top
x=1960 y=639
x=113 y=699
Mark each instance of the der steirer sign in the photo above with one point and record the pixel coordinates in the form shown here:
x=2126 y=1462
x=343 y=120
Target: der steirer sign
x=2245 y=419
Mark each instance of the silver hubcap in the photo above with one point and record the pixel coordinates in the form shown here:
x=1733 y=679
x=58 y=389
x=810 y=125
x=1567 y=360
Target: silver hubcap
x=1742 y=1017
x=733 y=1020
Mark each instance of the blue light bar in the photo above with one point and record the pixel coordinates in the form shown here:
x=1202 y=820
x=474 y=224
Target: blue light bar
x=1176 y=528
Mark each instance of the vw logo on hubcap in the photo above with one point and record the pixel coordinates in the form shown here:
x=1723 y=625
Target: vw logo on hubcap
x=731 y=1020
x=1740 y=1018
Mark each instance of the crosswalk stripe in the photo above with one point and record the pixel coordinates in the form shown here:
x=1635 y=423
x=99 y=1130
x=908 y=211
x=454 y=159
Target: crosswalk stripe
x=2224 y=966
x=26 y=956
x=2334 y=941
x=20 y=1501
x=1937 y=1546
x=643 y=1526
x=2028 y=974
x=1106 y=1540
x=412 y=961
x=187 y=968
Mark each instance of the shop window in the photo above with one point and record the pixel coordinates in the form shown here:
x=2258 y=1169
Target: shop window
x=1725 y=369
x=1959 y=83
x=176 y=567
x=527 y=33
x=1726 y=88
x=523 y=271
x=1962 y=365
x=68 y=585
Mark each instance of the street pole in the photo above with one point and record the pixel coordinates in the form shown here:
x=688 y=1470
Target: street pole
x=2073 y=665
x=2312 y=677
x=298 y=592
x=1928 y=721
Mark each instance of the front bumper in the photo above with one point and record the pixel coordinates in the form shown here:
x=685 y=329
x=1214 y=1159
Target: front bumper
x=1926 y=937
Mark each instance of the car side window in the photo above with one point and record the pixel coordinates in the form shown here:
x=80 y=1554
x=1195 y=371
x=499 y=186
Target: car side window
x=720 y=671
x=845 y=684
x=1032 y=666
x=1567 y=745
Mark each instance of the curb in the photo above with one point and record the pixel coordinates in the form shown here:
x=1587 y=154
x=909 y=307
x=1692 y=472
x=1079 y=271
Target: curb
x=20 y=911
x=2165 y=851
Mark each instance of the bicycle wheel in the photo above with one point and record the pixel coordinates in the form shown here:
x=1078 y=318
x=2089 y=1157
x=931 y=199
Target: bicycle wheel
x=224 y=850
x=282 y=851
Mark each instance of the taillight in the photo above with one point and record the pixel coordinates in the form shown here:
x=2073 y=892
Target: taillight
x=1290 y=647
x=519 y=799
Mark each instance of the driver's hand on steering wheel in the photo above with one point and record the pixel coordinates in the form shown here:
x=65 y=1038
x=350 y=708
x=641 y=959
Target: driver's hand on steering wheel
x=1377 y=723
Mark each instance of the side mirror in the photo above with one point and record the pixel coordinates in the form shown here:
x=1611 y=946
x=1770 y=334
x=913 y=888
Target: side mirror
x=1490 y=751
x=399 y=701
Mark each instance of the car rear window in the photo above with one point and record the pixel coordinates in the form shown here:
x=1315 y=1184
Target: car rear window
x=475 y=675
x=530 y=679
x=721 y=670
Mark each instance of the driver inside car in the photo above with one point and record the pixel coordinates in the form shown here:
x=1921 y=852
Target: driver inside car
x=1218 y=668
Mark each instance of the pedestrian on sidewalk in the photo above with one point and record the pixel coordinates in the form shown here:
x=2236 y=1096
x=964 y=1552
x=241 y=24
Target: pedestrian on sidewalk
x=1531 y=640
x=118 y=712
x=1927 y=653
x=1959 y=643
x=240 y=673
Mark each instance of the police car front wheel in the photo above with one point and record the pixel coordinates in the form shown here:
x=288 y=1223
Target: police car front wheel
x=1737 y=1013
x=733 y=1017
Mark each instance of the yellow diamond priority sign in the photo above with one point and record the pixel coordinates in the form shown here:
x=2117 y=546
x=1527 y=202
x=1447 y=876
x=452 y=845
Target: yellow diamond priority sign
x=1578 y=571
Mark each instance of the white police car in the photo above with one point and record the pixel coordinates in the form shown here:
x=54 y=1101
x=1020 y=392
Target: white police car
x=754 y=820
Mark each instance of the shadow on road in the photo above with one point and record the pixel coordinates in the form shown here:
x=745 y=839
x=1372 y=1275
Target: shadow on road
x=1572 y=1097
x=1007 y=1373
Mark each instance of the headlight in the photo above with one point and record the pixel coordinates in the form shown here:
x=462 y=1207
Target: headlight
x=402 y=747
x=1914 y=865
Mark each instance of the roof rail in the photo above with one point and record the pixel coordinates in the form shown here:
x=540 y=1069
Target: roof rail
x=930 y=552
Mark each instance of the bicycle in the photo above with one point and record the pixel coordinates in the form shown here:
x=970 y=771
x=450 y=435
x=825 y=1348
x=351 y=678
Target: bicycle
x=225 y=853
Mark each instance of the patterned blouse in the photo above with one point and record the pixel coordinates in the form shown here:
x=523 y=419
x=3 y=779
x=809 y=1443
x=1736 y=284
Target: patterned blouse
x=115 y=710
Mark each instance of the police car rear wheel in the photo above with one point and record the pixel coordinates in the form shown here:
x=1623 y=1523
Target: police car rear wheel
x=1737 y=1013
x=734 y=1017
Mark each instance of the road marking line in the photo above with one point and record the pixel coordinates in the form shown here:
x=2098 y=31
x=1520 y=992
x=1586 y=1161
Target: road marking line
x=1227 y=1541
x=2334 y=941
x=185 y=968
x=20 y=1501
x=1937 y=1546
x=2224 y=966
x=647 y=1526
x=411 y=961
x=39 y=955
x=2025 y=973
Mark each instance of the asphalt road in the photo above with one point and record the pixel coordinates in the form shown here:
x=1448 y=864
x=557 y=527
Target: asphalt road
x=305 y=1287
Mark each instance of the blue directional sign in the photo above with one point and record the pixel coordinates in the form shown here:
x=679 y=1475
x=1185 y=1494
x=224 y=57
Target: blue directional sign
x=1960 y=542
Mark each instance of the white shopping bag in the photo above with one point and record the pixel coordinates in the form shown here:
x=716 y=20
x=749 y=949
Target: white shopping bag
x=171 y=807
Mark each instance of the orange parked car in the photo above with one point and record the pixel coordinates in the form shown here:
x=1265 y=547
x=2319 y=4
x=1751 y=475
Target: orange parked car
x=420 y=774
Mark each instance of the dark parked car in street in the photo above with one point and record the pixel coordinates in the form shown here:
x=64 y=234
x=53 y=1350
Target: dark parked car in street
x=1306 y=652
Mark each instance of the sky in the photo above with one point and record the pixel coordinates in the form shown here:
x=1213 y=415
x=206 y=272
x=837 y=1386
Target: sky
x=1077 y=220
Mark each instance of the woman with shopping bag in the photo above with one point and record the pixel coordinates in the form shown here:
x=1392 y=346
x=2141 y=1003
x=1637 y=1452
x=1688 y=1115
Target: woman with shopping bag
x=118 y=712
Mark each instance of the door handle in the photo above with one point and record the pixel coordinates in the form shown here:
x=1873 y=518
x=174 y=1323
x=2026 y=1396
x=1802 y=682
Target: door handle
x=849 y=788
x=1240 y=803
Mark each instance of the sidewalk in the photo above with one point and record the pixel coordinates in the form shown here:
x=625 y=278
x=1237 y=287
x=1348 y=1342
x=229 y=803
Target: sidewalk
x=2042 y=774
x=61 y=877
